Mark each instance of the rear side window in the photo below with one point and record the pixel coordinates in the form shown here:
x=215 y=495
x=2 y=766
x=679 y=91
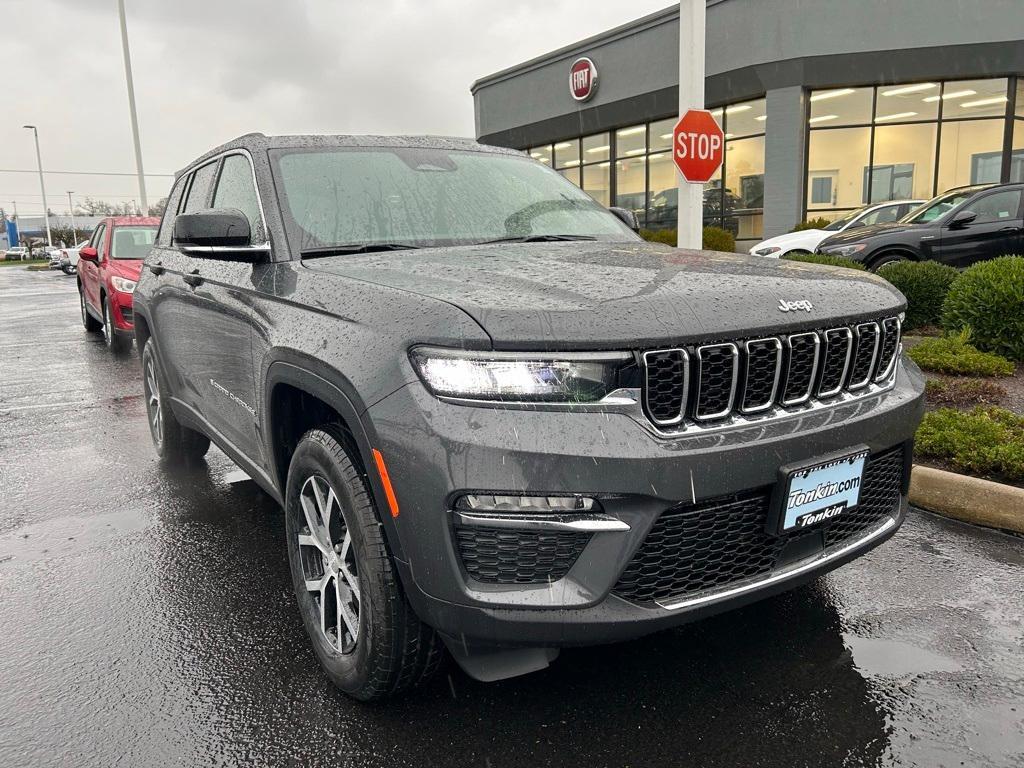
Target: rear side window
x=997 y=207
x=882 y=215
x=202 y=179
x=97 y=239
x=235 y=189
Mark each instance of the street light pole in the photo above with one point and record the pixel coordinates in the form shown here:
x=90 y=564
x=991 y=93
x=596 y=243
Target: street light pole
x=42 y=185
x=131 y=103
x=74 y=231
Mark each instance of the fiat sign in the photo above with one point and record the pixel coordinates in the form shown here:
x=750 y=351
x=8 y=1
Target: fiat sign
x=582 y=79
x=698 y=146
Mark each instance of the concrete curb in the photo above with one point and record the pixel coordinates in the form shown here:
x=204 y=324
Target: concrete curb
x=966 y=498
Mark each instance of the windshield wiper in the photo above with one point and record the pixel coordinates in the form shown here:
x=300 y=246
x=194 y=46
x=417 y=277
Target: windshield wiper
x=341 y=250
x=537 y=239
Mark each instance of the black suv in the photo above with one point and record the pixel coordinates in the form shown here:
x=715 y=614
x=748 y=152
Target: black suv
x=497 y=420
x=958 y=228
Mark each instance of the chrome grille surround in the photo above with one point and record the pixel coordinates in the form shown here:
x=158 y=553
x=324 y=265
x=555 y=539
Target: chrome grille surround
x=806 y=392
x=880 y=377
x=704 y=352
x=683 y=395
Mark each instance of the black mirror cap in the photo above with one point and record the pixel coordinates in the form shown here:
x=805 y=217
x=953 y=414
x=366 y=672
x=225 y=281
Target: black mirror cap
x=627 y=217
x=963 y=218
x=215 y=227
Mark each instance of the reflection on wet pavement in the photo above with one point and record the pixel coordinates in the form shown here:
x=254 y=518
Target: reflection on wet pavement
x=148 y=620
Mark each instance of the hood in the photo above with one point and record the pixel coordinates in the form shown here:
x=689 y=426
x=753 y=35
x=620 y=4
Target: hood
x=792 y=239
x=860 y=234
x=604 y=295
x=130 y=269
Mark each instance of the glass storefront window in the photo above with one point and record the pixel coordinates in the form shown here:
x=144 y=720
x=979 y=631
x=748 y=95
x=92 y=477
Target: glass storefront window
x=631 y=185
x=841 y=106
x=974 y=98
x=904 y=163
x=743 y=212
x=1017 y=156
x=541 y=154
x=597 y=181
x=567 y=153
x=745 y=118
x=664 y=192
x=631 y=141
x=572 y=174
x=596 y=148
x=1020 y=97
x=836 y=162
x=912 y=102
x=661 y=134
x=970 y=152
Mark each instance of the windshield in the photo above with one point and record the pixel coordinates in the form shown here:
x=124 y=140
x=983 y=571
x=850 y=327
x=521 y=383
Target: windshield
x=429 y=197
x=937 y=206
x=132 y=242
x=839 y=224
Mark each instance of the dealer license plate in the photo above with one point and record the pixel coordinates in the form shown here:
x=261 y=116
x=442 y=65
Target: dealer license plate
x=817 y=493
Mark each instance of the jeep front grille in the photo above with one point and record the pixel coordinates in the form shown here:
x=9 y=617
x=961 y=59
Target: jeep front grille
x=713 y=382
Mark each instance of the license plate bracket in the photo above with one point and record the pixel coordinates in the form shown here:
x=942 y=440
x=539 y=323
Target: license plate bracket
x=809 y=494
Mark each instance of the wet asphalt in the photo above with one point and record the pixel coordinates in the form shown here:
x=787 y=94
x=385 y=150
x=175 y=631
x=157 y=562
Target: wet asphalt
x=146 y=618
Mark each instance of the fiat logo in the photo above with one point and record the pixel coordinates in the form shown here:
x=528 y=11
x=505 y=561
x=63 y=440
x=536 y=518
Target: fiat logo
x=582 y=79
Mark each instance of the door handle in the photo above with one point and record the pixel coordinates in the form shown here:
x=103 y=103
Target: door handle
x=193 y=279
x=156 y=269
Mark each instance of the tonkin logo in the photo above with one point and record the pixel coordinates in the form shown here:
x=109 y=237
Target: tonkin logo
x=795 y=306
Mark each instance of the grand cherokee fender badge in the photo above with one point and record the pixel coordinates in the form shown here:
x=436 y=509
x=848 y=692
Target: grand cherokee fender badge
x=795 y=306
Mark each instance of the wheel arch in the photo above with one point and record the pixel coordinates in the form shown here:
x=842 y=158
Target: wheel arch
x=299 y=396
x=903 y=251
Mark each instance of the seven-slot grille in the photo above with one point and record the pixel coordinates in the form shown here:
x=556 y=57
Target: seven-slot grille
x=714 y=381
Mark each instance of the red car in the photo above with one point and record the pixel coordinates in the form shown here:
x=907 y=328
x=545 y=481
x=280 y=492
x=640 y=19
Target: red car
x=108 y=269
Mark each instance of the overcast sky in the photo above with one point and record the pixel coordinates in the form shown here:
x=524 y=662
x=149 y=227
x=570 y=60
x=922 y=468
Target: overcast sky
x=209 y=70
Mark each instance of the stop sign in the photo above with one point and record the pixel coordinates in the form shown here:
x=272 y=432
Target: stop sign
x=697 y=146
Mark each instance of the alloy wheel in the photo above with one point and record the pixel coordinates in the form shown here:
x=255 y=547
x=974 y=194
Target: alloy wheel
x=153 y=405
x=108 y=328
x=329 y=564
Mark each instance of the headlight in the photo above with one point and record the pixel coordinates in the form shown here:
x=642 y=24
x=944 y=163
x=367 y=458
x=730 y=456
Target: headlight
x=845 y=250
x=570 y=377
x=767 y=251
x=122 y=284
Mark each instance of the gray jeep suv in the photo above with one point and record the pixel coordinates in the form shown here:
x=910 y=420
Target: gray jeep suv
x=497 y=420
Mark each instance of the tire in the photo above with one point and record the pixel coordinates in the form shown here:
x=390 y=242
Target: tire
x=68 y=270
x=90 y=323
x=374 y=646
x=173 y=442
x=884 y=260
x=118 y=343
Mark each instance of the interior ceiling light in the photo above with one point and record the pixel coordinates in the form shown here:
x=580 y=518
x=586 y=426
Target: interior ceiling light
x=910 y=89
x=896 y=116
x=952 y=95
x=832 y=94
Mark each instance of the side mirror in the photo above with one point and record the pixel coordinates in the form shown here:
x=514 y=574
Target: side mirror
x=217 y=233
x=627 y=217
x=88 y=253
x=962 y=219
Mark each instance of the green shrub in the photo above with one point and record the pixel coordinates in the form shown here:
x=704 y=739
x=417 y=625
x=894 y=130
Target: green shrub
x=718 y=239
x=988 y=298
x=714 y=238
x=955 y=355
x=820 y=258
x=666 y=236
x=985 y=440
x=818 y=223
x=925 y=284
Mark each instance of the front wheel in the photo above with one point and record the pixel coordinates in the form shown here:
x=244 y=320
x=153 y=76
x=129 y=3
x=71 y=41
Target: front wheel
x=118 y=343
x=364 y=632
x=173 y=442
x=885 y=260
x=67 y=269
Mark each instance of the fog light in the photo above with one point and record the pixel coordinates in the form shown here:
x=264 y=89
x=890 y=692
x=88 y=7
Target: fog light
x=479 y=502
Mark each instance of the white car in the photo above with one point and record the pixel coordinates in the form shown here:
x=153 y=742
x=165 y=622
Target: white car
x=17 y=253
x=69 y=258
x=807 y=240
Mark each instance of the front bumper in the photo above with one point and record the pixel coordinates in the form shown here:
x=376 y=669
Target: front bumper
x=121 y=307
x=437 y=451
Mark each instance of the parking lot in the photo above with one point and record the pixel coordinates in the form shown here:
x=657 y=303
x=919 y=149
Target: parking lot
x=148 y=619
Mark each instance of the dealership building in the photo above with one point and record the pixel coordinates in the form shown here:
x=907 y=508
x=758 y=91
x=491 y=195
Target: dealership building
x=826 y=106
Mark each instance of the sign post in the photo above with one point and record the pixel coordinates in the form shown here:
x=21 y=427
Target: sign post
x=691 y=96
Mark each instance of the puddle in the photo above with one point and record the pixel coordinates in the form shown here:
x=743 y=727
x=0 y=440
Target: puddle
x=874 y=656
